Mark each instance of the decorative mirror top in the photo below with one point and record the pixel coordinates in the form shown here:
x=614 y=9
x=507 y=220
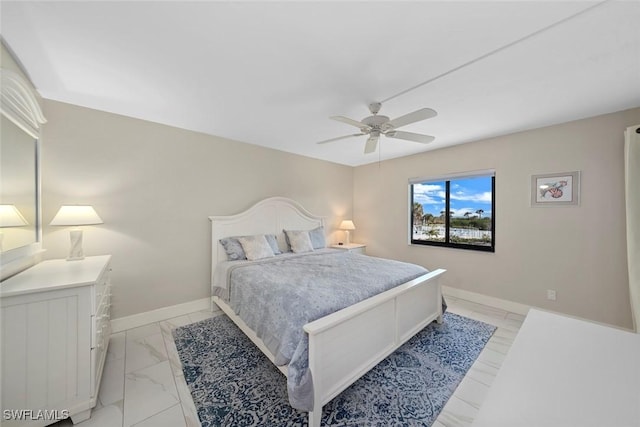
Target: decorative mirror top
x=19 y=103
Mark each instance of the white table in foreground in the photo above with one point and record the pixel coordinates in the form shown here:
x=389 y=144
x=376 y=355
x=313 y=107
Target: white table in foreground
x=564 y=372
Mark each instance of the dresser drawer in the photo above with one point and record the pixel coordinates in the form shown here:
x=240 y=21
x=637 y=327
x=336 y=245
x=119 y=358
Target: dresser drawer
x=101 y=332
x=102 y=319
x=98 y=356
x=101 y=287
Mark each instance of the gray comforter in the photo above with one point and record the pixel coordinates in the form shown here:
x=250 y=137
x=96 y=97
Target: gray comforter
x=276 y=297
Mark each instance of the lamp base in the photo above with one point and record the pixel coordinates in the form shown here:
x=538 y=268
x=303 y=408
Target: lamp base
x=75 y=253
x=348 y=240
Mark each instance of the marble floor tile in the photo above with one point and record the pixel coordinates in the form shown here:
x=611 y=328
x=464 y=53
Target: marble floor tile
x=463 y=311
x=491 y=357
x=505 y=334
x=171 y=417
x=492 y=312
x=145 y=351
x=499 y=344
x=515 y=316
x=512 y=324
x=116 y=346
x=457 y=413
x=471 y=305
x=188 y=407
x=482 y=373
x=148 y=391
x=176 y=322
x=108 y=416
x=172 y=353
x=472 y=392
x=143 y=331
x=201 y=315
x=112 y=382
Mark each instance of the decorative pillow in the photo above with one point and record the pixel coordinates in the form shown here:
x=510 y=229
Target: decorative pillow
x=317 y=238
x=256 y=247
x=273 y=242
x=233 y=248
x=299 y=240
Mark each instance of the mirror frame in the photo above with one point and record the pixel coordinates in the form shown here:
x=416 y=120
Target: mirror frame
x=19 y=104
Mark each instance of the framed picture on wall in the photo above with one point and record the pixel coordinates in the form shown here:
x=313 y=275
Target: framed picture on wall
x=555 y=189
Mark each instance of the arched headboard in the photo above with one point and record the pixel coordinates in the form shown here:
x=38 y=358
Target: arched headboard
x=268 y=216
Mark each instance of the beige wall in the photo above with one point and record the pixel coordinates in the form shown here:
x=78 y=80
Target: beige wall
x=578 y=251
x=155 y=186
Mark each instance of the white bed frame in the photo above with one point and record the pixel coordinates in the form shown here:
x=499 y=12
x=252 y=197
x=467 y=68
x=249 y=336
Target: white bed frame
x=344 y=345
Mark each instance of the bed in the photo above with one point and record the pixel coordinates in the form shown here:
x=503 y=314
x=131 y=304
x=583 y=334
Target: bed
x=341 y=346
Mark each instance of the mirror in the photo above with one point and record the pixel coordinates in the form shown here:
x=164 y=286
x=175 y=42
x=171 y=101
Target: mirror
x=18 y=219
x=21 y=122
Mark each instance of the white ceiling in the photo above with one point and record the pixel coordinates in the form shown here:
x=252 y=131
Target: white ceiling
x=271 y=73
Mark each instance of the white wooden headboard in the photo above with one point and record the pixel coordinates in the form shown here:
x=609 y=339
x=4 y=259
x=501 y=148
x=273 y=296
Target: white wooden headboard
x=269 y=216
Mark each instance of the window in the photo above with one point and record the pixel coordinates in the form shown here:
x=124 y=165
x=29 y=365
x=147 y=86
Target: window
x=457 y=211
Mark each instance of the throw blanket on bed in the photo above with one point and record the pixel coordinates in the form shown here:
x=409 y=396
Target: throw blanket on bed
x=276 y=297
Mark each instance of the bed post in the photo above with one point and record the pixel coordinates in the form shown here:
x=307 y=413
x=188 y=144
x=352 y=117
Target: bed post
x=440 y=299
x=315 y=416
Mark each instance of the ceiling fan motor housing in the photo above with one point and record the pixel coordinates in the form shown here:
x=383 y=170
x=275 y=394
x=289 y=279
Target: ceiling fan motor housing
x=375 y=121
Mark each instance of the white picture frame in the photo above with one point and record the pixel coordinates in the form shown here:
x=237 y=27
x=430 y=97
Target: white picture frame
x=555 y=189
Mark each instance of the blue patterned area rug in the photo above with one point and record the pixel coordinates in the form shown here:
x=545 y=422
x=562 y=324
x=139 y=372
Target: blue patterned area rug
x=234 y=384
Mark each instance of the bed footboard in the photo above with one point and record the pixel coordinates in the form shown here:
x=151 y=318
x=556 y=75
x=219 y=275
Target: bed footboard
x=348 y=343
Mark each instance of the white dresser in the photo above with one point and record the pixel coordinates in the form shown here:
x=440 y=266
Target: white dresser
x=54 y=336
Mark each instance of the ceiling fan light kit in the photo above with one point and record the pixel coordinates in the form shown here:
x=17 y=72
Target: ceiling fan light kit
x=376 y=125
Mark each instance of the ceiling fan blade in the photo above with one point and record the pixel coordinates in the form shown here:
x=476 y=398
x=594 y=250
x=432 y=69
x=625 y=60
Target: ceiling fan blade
x=416 y=116
x=410 y=136
x=371 y=144
x=339 y=138
x=350 y=122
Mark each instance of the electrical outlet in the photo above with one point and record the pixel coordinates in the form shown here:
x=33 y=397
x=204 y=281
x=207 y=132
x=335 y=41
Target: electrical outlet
x=551 y=294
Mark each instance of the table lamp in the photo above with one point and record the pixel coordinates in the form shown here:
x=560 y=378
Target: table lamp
x=347 y=225
x=76 y=215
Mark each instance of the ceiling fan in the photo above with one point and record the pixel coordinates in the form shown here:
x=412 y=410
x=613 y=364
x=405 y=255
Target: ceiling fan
x=376 y=125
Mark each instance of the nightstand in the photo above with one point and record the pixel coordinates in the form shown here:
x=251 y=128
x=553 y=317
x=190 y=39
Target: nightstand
x=352 y=247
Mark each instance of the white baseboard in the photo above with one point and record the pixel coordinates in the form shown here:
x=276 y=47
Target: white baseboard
x=164 y=313
x=503 y=304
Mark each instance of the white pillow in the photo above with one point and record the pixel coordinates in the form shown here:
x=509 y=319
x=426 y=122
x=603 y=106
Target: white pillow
x=299 y=241
x=256 y=247
x=317 y=238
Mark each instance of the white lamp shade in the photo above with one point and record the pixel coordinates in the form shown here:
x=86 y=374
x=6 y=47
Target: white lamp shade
x=347 y=224
x=76 y=215
x=10 y=216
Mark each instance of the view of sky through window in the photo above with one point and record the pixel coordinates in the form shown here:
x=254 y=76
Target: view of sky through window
x=468 y=195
